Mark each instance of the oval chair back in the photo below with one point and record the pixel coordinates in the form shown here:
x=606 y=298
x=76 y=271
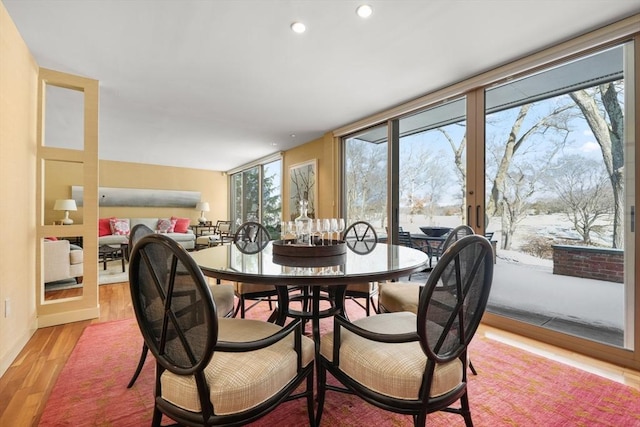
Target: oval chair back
x=454 y=300
x=137 y=233
x=251 y=237
x=168 y=316
x=456 y=234
x=360 y=237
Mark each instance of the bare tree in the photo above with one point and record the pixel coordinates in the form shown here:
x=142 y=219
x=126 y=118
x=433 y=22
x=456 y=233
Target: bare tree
x=555 y=121
x=510 y=203
x=461 y=170
x=366 y=179
x=583 y=187
x=596 y=105
x=414 y=173
x=519 y=188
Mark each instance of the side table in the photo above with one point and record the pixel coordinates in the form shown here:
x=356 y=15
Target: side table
x=108 y=253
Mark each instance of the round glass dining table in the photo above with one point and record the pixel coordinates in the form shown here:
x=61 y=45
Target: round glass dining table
x=363 y=263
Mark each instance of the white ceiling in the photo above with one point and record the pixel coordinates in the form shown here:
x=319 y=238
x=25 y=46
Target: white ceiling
x=216 y=84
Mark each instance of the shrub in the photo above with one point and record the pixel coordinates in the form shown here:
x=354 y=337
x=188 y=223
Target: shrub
x=538 y=246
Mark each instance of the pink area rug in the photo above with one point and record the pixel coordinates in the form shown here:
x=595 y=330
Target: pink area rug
x=513 y=388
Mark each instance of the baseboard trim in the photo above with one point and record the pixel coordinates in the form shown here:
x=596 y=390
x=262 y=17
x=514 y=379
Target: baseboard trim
x=13 y=352
x=68 y=317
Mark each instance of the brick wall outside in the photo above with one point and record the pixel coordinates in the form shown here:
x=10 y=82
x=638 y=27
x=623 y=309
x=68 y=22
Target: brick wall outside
x=589 y=262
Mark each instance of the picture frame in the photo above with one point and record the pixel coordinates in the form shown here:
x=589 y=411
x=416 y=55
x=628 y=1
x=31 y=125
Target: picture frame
x=303 y=185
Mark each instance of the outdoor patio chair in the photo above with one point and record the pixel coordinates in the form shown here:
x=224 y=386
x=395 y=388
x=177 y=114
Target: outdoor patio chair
x=408 y=363
x=211 y=370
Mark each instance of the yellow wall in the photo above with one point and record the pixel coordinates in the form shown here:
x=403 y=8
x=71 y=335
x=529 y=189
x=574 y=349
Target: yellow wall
x=211 y=184
x=60 y=176
x=18 y=95
x=325 y=151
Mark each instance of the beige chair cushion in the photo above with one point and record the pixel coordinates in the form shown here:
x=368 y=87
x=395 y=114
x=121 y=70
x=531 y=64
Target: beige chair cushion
x=399 y=296
x=223 y=295
x=394 y=370
x=363 y=288
x=240 y=381
x=242 y=288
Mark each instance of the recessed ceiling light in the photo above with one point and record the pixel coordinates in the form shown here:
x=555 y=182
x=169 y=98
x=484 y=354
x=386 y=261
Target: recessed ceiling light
x=293 y=135
x=364 y=11
x=298 y=27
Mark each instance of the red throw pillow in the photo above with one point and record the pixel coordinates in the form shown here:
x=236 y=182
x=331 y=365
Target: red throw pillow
x=104 y=226
x=52 y=239
x=182 y=224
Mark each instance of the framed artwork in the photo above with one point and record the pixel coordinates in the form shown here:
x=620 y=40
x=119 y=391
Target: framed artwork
x=302 y=186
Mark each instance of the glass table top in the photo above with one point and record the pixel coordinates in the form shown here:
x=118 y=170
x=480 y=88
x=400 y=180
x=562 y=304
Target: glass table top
x=260 y=265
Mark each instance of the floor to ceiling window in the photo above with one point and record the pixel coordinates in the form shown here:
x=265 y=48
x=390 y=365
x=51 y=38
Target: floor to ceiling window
x=432 y=168
x=559 y=199
x=544 y=164
x=365 y=172
x=256 y=195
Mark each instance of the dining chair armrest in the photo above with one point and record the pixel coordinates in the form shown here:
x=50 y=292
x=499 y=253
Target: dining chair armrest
x=339 y=322
x=239 y=347
x=294 y=327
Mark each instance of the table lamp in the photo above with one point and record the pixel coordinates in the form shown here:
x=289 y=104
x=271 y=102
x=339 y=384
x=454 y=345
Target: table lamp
x=202 y=207
x=65 y=205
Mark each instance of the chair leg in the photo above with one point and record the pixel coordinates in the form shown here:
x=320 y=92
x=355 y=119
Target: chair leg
x=310 y=399
x=465 y=411
x=235 y=312
x=373 y=305
x=143 y=357
x=322 y=388
x=473 y=370
x=157 y=417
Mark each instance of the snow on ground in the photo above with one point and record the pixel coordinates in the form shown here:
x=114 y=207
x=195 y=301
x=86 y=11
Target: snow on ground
x=525 y=282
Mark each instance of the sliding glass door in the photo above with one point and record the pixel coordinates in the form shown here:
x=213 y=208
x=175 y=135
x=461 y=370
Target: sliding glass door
x=560 y=197
x=432 y=168
x=425 y=186
x=544 y=165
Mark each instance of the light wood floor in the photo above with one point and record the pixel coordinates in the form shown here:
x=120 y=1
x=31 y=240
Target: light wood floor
x=26 y=385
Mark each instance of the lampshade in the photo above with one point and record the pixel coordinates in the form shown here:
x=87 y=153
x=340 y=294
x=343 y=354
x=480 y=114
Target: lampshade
x=202 y=206
x=65 y=205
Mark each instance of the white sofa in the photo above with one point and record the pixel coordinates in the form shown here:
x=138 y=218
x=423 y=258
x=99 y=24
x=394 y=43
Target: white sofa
x=62 y=261
x=187 y=240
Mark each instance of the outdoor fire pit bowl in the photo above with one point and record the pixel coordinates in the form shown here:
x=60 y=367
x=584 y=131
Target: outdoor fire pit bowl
x=435 y=231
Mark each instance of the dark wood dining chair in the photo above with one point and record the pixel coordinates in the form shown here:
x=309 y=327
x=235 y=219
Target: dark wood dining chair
x=251 y=237
x=404 y=296
x=361 y=237
x=222 y=294
x=211 y=370
x=415 y=363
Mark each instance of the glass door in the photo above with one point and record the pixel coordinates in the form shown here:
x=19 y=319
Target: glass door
x=432 y=170
x=560 y=198
x=365 y=178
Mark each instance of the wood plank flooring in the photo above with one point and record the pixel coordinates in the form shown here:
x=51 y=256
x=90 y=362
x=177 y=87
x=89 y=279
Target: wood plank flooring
x=26 y=385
